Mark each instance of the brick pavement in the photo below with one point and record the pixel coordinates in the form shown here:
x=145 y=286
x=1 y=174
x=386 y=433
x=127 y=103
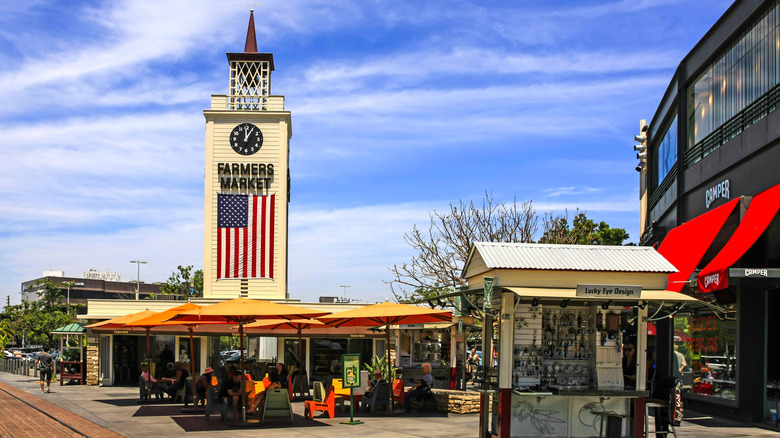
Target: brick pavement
x=23 y=420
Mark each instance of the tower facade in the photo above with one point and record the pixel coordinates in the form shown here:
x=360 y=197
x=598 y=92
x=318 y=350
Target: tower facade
x=247 y=182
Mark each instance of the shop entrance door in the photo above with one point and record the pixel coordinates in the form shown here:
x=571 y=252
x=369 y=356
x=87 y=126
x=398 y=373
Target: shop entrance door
x=125 y=361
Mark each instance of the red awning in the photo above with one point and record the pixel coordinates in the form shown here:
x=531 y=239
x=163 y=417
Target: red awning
x=685 y=245
x=760 y=213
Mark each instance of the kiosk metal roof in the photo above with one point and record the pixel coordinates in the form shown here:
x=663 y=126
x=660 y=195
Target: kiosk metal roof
x=539 y=256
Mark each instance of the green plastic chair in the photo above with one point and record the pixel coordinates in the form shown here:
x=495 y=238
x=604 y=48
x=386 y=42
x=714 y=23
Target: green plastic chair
x=277 y=404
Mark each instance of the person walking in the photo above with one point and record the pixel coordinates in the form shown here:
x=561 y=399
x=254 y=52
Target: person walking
x=45 y=365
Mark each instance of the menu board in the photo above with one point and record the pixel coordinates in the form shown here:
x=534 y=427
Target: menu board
x=350 y=370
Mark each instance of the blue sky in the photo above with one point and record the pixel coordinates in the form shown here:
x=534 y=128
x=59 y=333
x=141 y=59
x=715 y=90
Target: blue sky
x=399 y=108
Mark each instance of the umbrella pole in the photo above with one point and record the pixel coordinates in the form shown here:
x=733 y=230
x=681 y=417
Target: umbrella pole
x=300 y=355
x=243 y=381
x=192 y=354
x=390 y=368
x=148 y=356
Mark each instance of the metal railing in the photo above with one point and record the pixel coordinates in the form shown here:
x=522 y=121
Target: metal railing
x=15 y=365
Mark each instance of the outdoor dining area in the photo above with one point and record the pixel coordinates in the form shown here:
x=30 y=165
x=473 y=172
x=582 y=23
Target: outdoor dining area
x=246 y=393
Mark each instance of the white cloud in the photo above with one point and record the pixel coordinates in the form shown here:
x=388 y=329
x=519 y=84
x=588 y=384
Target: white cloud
x=559 y=191
x=102 y=131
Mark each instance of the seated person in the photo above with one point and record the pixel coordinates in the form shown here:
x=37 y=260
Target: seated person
x=420 y=388
x=235 y=391
x=203 y=383
x=178 y=381
x=168 y=379
x=150 y=381
x=370 y=389
x=273 y=376
x=283 y=375
x=228 y=383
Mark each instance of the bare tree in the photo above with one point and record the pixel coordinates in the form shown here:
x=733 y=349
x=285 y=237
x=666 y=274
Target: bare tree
x=444 y=246
x=442 y=249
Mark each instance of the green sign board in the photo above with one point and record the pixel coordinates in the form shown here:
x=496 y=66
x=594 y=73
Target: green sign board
x=487 y=305
x=350 y=366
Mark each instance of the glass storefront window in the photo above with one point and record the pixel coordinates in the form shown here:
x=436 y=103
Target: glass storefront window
x=326 y=355
x=291 y=353
x=185 y=355
x=744 y=73
x=667 y=151
x=706 y=355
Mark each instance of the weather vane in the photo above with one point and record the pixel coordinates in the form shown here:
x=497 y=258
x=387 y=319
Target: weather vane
x=251 y=6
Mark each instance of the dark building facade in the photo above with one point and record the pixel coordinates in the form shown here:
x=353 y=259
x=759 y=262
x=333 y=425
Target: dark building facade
x=711 y=192
x=83 y=289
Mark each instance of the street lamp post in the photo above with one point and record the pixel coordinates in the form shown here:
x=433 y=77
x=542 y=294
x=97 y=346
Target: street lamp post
x=345 y=286
x=138 y=277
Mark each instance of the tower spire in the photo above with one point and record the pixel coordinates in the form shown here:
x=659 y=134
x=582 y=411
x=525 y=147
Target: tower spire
x=251 y=39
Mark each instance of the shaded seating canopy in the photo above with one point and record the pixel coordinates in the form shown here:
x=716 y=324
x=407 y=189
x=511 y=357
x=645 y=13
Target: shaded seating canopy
x=70 y=329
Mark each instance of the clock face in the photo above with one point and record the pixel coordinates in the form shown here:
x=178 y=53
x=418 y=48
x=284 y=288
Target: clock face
x=246 y=139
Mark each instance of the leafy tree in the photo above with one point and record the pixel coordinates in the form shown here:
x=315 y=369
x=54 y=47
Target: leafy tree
x=6 y=334
x=50 y=294
x=443 y=248
x=29 y=321
x=583 y=231
x=34 y=320
x=182 y=281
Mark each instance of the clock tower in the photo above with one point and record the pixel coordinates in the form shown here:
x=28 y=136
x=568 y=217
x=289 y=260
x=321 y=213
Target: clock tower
x=247 y=182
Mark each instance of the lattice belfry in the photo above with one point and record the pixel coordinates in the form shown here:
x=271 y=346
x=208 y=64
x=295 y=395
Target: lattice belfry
x=250 y=85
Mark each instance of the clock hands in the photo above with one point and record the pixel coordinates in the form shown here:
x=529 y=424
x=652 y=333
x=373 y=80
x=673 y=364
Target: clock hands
x=246 y=139
x=248 y=133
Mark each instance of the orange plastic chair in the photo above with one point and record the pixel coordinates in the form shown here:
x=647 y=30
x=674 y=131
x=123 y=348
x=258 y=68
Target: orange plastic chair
x=398 y=391
x=251 y=392
x=328 y=405
x=266 y=381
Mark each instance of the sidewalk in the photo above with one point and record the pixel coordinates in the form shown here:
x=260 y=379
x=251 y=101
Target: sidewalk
x=116 y=409
x=108 y=411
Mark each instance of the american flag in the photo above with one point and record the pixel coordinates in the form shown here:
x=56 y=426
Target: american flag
x=245 y=236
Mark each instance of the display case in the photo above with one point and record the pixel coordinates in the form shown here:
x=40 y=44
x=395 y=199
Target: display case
x=423 y=345
x=572 y=348
x=428 y=351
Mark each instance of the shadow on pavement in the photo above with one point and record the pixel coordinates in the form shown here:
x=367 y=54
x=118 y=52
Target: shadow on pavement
x=199 y=423
x=122 y=402
x=158 y=411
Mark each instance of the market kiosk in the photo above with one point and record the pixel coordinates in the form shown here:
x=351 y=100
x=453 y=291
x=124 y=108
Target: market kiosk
x=563 y=316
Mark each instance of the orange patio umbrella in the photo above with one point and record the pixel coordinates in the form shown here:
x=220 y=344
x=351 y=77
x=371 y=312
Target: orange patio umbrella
x=295 y=324
x=161 y=319
x=120 y=321
x=242 y=311
x=386 y=314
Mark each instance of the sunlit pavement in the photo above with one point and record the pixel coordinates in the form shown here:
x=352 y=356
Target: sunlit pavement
x=116 y=409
